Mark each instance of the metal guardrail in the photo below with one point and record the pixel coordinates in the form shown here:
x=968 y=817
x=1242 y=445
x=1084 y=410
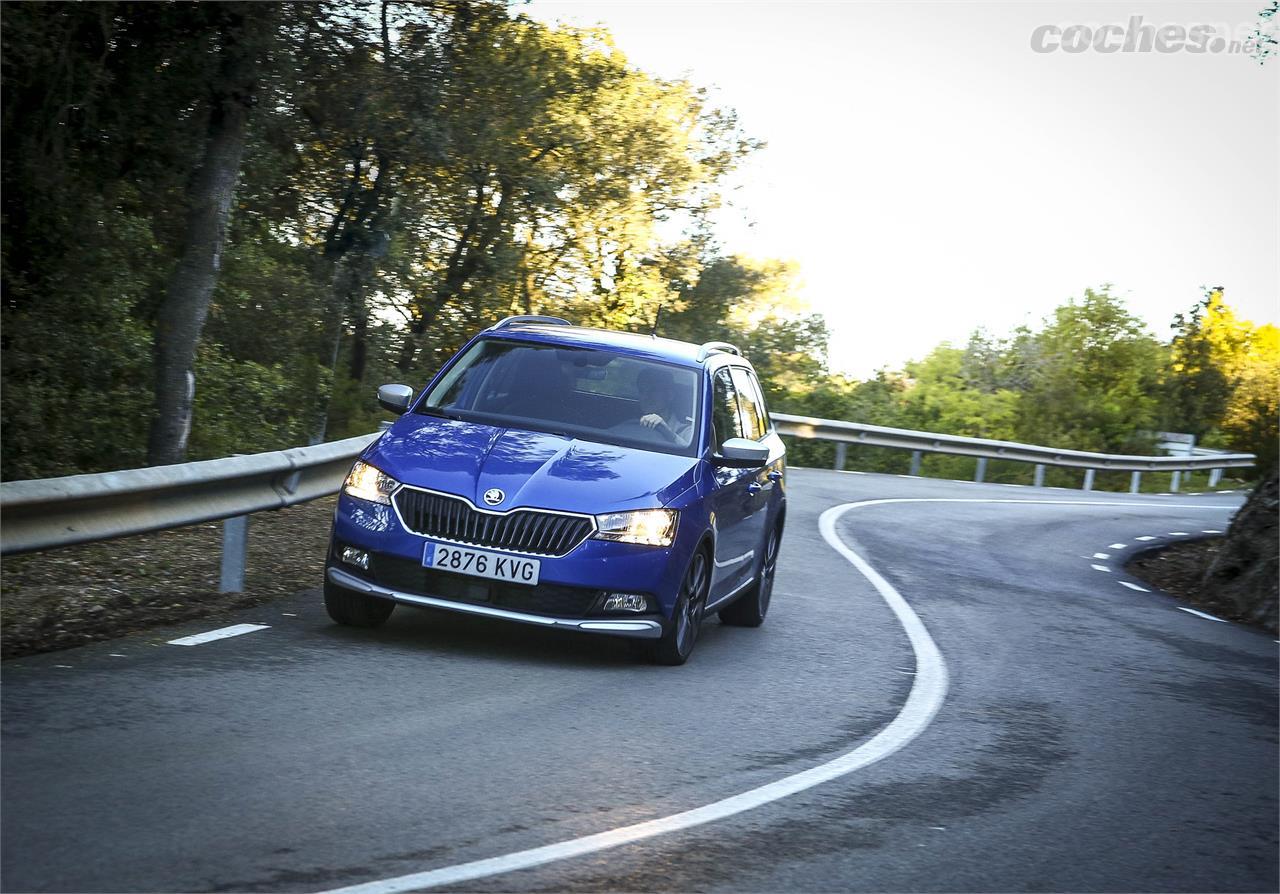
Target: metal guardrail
x=929 y=442
x=53 y=512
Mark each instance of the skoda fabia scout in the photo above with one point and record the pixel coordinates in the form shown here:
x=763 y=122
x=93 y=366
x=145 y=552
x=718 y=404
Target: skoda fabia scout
x=571 y=478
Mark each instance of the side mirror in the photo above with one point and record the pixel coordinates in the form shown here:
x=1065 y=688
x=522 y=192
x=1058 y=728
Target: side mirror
x=740 y=453
x=395 y=398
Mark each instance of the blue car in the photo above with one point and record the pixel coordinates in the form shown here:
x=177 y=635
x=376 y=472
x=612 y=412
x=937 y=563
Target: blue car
x=573 y=478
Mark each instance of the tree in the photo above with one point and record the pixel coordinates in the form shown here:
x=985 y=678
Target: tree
x=242 y=35
x=1091 y=378
x=1198 y=383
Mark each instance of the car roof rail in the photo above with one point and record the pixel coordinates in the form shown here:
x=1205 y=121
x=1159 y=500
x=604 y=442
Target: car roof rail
x=529 y=318
x=716 y=347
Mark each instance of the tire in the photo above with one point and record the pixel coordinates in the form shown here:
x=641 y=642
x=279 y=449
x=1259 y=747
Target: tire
x=749 y=609
x=676 y=644
x=355 y=609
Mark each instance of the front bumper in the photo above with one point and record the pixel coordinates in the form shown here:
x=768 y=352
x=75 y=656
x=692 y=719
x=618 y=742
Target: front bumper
x=641 y=628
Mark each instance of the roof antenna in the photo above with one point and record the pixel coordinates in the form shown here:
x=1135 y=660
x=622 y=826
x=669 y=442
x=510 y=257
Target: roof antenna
x=657 y=318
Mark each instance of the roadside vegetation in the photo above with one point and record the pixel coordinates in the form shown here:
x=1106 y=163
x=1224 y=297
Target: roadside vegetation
x=226 y=224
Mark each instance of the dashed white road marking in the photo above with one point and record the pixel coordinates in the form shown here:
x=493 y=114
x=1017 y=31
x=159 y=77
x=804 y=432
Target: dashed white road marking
x=116 y=655
x=1192 y=611
x=1102 y=555
x=928 y=691
x=1125 y=583
x=1210 y=531
x=1145 y=538
x=1118 y=546
x=1100 y=568
x=1178 y=534
x=220 y=633
x=290 y=614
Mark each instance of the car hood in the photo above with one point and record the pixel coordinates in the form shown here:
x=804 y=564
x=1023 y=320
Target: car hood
x=532 y=468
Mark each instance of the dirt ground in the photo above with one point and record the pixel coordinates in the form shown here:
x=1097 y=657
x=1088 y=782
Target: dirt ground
x=1179 y=569
x=79 y=594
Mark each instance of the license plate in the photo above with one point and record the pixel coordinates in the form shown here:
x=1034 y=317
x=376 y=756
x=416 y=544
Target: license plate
x=478 y=563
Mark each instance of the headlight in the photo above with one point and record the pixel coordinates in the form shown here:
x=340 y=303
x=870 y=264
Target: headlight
x=370 y=483
x=648 y=527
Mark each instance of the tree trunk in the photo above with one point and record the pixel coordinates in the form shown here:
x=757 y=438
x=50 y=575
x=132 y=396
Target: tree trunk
x=186 y=302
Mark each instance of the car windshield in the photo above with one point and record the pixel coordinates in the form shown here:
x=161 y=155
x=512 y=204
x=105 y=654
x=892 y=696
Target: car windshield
x=587 y=393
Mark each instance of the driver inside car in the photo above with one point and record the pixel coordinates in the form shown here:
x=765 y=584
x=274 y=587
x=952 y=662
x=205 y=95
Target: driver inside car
x=658 y=405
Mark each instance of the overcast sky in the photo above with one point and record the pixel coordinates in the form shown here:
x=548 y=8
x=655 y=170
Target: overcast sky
x=932 y=174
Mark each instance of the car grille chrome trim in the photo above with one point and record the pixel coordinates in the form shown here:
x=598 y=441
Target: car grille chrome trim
x=442 y=516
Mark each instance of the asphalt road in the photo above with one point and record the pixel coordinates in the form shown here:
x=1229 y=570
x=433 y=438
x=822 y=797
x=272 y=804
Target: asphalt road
x=1092 y=737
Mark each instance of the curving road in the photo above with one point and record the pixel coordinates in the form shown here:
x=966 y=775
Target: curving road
x=1089 y=736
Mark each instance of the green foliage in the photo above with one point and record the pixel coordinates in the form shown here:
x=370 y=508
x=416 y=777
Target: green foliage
x=244 y=407
x=1092 y=376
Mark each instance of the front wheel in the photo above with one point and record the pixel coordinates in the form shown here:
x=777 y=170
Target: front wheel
x=751 y=607
x=677 y=640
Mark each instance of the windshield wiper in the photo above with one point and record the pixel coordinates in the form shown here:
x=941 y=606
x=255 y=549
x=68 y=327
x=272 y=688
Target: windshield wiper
x=438 y=413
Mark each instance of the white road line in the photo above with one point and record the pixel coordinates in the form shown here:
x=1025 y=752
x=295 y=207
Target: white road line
x=1118 y=546
x=1102 y=555
x=1125 y=583
x=1145 y=538
x=1192 y=611
x=220 y=633
x=1100 y=568
x=1178 y=534
x=927 y=694
x=1210 y=531
x=928 y=690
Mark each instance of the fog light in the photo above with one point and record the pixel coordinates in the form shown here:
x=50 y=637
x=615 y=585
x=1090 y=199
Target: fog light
x=356 y=557
x=626 y=602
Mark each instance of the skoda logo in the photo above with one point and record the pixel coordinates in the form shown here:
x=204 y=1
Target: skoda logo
x=493 y=496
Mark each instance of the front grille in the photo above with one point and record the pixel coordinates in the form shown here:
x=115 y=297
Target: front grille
x=532 y=531
x=544 y=599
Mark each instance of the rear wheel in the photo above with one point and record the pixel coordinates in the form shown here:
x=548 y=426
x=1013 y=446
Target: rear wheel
x=751 y=607
x=355 y=609
x=677 y=640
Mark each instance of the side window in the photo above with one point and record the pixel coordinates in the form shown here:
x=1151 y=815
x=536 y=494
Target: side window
x=764 y=410
x=724 y=409
x=750 y=406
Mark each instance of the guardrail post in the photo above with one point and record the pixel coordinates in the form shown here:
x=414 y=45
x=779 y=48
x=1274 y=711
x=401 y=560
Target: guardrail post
x=1039 y=479
x=1215 y=475
x=235 y=545
x=981 y=471
x=1088 y=479
x=915 y=463
x=1177 y=481
x=842 y=450
x=1135 y=483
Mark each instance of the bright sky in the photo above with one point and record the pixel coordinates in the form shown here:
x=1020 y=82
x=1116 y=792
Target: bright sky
x=932 y=174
